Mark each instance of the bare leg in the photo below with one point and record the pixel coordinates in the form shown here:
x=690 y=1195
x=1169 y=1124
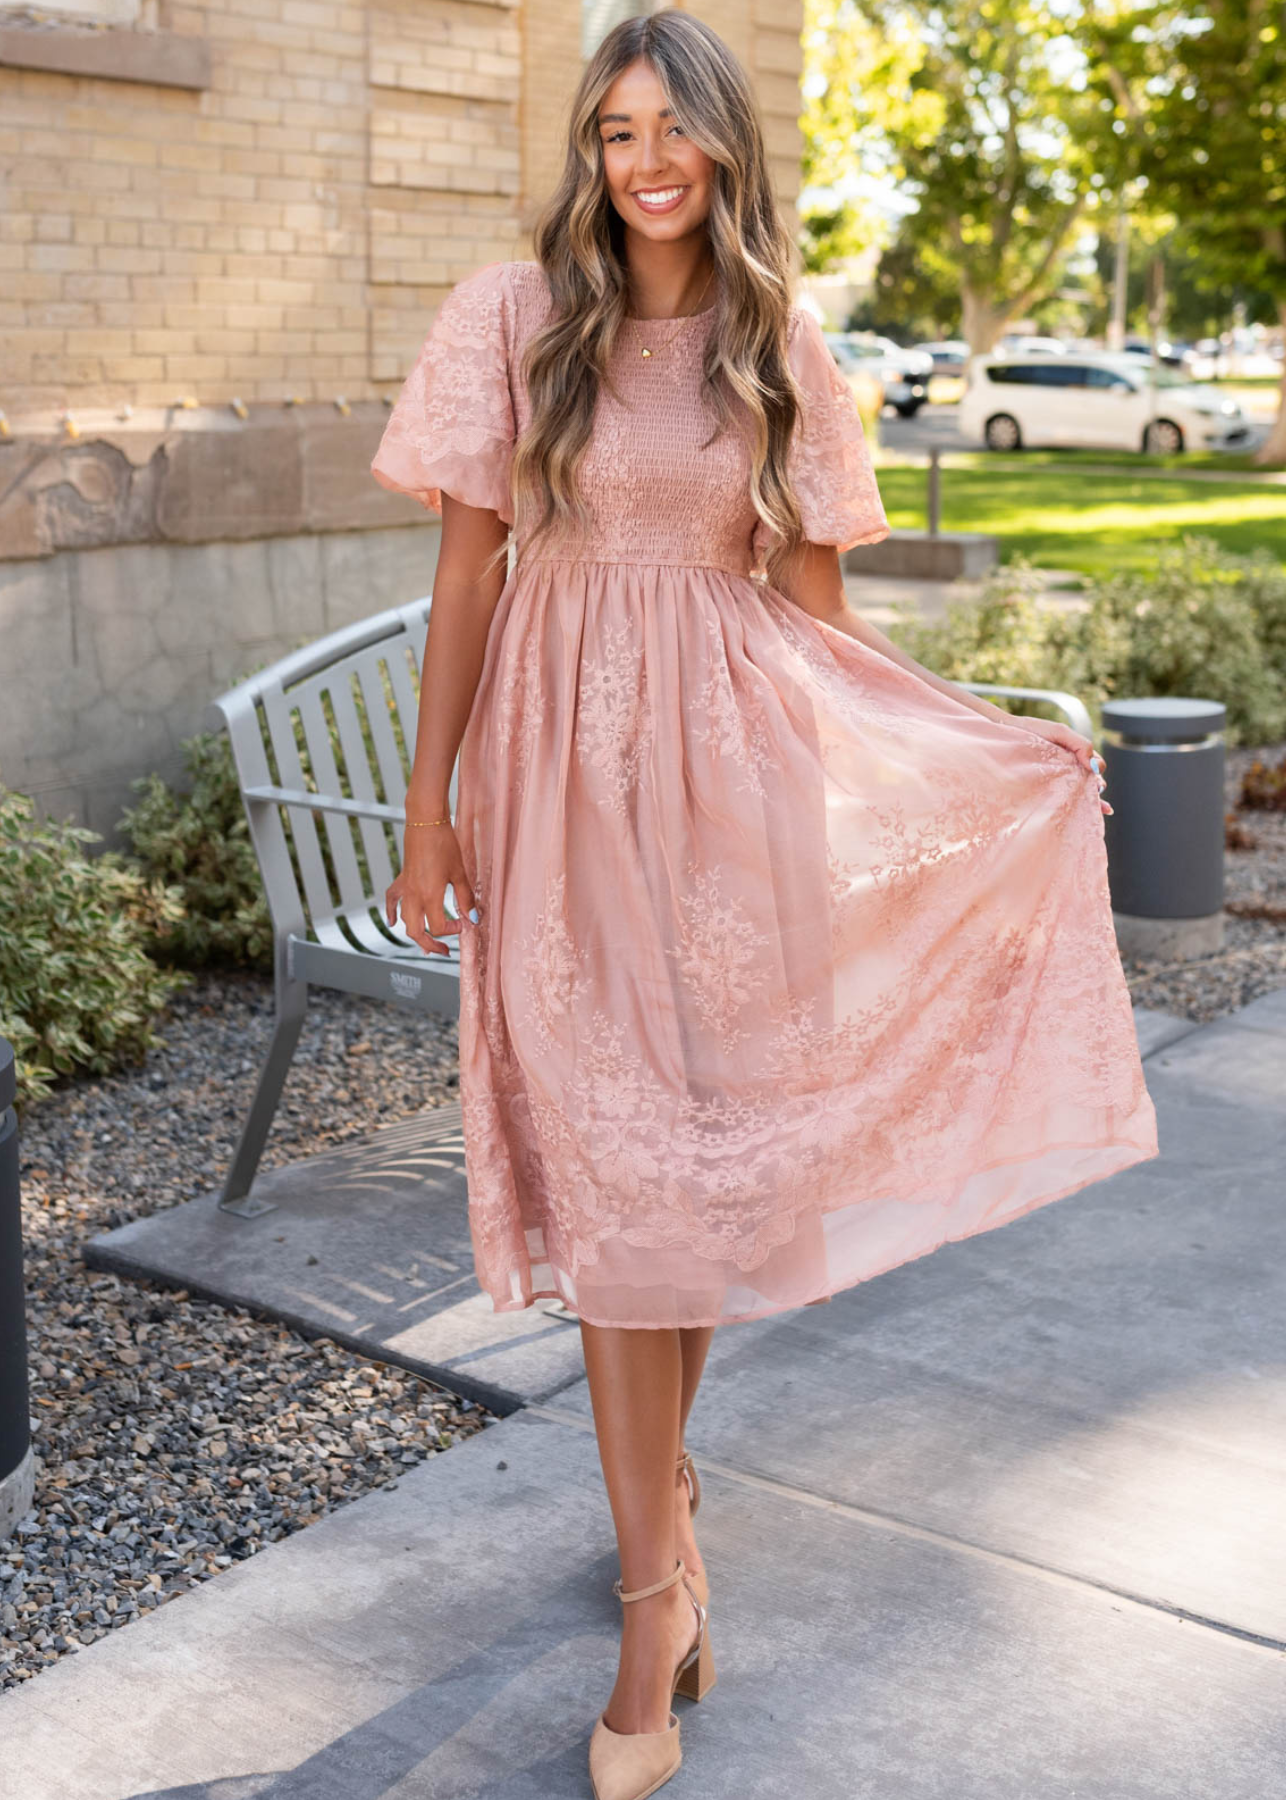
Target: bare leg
x=635 y=1386
x=694 y=1342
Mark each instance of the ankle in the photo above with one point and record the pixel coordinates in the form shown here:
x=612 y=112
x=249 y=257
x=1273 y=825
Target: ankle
x=657 y=1609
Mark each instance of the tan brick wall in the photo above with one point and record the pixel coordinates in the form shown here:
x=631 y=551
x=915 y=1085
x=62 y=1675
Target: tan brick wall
x=289 y=229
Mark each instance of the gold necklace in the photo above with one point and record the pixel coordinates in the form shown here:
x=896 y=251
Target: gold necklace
x=682 y=322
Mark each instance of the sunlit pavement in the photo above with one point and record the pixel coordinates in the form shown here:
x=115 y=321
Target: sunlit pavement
x=1002 y=1524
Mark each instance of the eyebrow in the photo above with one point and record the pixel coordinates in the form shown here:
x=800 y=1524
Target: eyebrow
x=666 y=112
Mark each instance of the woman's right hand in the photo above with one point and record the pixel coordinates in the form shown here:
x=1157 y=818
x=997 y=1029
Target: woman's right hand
x=431 y=860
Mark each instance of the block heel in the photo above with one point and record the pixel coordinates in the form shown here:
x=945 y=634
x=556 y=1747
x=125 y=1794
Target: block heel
x=629 y=1765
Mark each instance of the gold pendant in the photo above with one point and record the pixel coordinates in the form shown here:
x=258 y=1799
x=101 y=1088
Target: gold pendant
x=647 y=352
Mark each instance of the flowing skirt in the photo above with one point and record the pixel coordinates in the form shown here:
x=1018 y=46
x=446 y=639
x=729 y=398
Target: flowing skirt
x=790 y=967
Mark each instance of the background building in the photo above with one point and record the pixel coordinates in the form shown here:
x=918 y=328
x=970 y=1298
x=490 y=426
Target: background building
x=224 y=229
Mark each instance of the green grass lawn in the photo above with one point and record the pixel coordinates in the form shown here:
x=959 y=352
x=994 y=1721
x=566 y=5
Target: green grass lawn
x=1227 y=462
x=1040 y=506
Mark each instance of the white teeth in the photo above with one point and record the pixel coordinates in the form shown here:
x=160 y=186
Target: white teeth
x=658 y=199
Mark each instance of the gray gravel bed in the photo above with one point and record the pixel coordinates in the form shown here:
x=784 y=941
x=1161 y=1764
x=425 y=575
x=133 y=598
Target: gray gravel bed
x=173 y=1436
x=1253 y=959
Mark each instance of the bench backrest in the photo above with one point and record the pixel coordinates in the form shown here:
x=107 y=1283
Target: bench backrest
x=338 y=719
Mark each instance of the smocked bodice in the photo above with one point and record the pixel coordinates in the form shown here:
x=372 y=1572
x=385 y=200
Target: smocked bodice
x=659 y=493
x=660 y=487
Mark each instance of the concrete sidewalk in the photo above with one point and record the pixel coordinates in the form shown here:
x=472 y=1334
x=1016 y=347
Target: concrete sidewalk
x=1002 y=1524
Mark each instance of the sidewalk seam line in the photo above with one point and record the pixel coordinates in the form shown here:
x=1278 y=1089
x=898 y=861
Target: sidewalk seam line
x=907 y=1528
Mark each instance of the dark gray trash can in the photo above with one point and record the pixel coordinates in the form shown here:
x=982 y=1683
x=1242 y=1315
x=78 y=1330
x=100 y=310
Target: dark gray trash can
x=17 y=1462
x=1165 y=835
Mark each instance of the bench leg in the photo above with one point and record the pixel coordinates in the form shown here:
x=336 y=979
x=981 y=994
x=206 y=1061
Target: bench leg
x=292 y=1004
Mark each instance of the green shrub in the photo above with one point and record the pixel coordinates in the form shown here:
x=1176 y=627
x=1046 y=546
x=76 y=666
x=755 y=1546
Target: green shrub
x=1205 y=623
x=1000 y=636
x=199 y=840
x=78 y=987
x=1196 y=627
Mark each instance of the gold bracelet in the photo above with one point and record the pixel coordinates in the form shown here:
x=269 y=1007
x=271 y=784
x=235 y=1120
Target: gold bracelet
x=445 y=821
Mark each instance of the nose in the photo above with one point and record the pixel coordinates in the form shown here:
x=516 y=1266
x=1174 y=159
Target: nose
x=651 y=150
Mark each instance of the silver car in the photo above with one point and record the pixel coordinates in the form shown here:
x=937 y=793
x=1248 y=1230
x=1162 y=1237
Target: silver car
x=904 y=374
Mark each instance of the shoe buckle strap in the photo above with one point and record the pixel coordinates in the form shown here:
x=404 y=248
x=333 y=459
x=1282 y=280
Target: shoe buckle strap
x=642 y=1593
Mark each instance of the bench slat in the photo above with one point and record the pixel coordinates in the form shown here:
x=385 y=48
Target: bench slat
x=339 y=830
x=320 y=899
x=370 y=677
x=361 y=776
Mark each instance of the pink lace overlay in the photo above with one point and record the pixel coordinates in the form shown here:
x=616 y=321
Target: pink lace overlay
x=791 y=967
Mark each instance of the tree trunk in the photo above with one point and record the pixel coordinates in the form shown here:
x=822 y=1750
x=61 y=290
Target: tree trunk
x=981 y=321
x=1273 y=448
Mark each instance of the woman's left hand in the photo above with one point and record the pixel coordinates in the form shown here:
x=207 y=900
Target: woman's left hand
x=1081 y=747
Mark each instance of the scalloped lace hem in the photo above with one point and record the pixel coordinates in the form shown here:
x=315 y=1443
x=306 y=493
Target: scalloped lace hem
x=1116 y=1157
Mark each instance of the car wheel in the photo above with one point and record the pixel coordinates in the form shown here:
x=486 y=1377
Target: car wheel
x=905 y=409
x=1002 y=433
x=1162 y=438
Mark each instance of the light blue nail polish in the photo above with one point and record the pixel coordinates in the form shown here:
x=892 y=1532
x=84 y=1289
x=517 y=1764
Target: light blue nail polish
x=473 y=914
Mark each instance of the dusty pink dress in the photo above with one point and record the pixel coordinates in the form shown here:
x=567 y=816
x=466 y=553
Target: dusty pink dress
x=791 y=967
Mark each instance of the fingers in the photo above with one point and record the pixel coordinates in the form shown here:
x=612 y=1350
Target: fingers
x=439 y=919
x=420 y=936
x=414 y=913
x=417 y=912
x=1097 y=765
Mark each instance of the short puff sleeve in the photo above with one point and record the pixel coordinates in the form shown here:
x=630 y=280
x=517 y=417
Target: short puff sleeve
x=452 y=426
x=829 y=462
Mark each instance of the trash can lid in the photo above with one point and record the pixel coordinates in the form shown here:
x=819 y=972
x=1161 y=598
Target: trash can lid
x=1166 y=719
x=8 y=1075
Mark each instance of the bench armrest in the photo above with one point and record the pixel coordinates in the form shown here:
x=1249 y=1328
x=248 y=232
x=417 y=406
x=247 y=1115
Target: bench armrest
x=325 y=803
x=1075 y=711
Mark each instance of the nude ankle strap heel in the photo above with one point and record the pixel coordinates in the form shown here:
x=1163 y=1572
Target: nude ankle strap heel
x=687 y=1468
x=628 y=1765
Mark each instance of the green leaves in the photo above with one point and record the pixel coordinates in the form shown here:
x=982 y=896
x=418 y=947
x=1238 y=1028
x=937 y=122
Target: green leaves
x=78 y=985
x=981 y=114
x=1203 y=622
x=199 y=840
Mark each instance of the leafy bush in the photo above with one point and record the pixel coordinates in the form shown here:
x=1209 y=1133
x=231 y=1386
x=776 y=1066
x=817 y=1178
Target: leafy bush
x=199 y=840
x=78 y=987
x=1002 y=636
x=1206 y=623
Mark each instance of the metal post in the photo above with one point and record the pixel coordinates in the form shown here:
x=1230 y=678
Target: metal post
x=935 y=490
x=17 y=1461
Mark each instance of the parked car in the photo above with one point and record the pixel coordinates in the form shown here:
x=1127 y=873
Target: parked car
x=903 y=374
x=1175 y=356
x=864 y=374
x=1107 y=400
x=1017 y=343
x=949 y=356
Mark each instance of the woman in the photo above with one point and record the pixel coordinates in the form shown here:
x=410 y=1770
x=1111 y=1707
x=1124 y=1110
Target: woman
x=783 y=960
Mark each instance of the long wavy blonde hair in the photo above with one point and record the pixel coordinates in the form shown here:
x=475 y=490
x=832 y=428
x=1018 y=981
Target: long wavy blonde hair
x=579 y=242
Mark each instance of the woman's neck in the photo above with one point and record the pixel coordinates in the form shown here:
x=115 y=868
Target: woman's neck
x=666 y=281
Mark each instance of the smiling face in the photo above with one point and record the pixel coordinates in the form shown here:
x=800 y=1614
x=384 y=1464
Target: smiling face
x=658 y=179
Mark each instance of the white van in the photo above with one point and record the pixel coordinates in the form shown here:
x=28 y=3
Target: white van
x=1112 y=402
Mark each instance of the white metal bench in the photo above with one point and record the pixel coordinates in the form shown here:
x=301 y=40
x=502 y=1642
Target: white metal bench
x=326 y=887
x=327 y=821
